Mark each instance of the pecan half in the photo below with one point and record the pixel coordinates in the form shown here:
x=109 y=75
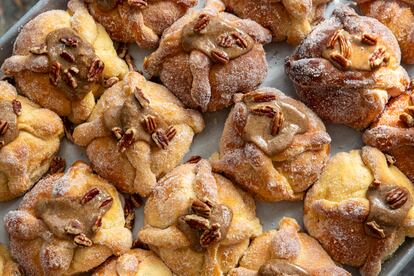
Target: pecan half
x=82 y=240
x=17 y=107
x=194 y=159
x=129 y=214
x=407 y=119
x=340 y=60
x=127 y=139
x=202 y=22
x=369 y=39
x=201 y=209
x=375 y=229
x=345 y=46
x=219 y=56
x=106 y=201
x=54 y=74
x=240 y=41
x=267 y=110
x=4 y=126
x=333 y=39
x=67 y=56
x=110 y=82
x=89 y=195
x=261 y=98
x=379 y=58
x=138 y=3
x=57 y=165
x=197 y=222
x=210 y=236
x=277 y=123
x=95 y=70
x=69 y=41
x=160 y=139
x=73 y=70
x=117 y=132
x=149 y=124
x=396 y=197
x=69 y=79
x=226 y=40
x=39 y=50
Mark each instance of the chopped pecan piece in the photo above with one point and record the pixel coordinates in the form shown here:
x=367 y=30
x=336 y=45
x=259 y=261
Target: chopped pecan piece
x=197 y=222
x=226 y=40
x=210 y=236
x=4 y=126
x=69 y=79
x=219 y=57
x=194 y=159
x=396 y=197
x=57 y=165
x=69 y=41
x=129 y=214
x=110 y=82
x=170 y=133
x=97 y=225
x=261 y=98
x=379 y=58
x=118 y=132
x=95 y=71
x=150 y=124
x=375 y=229
x=55 y=74
x=127 y=140
x=160 y=139
x=369 y=39
x=390 y=159
x=82 y=240
x=138 y=3
x=17 y=107
x=267 y=110
x=140 y=96
x=89 y=195
x=333 y=39
x=202 y=22
x=277 y=123
x=67 y=56
x=106 y=201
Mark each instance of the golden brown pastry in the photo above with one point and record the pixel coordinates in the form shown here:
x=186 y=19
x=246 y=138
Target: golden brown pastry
x=286 y=251
x=198 y=222
x=138 y=21
x=290 y=20
x=137 y=133
x=7 y=266
x=207 y=56
x=29 y=139
x=136 y=262
x=348 y=68
x=398 y=16
x=361 y=209
x=69 y=223
x=393 y=133
x=272 y=145
x=59 y=61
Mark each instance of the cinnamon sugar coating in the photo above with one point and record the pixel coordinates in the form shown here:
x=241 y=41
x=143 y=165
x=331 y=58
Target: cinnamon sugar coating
x=141 y=22
x=29 y=139
x=207 y=56
x=137 y=133
x=192 y=242
x=51 y=234
x=361 y=209
x=134 y=262
x=398 y=16
x=290 y=20
x=348 y=68
x=59 y=61
x=275 y=159
x=287 y=250
x=392 y=133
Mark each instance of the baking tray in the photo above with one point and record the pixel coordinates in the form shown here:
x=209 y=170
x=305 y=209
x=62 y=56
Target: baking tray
x=206 y=143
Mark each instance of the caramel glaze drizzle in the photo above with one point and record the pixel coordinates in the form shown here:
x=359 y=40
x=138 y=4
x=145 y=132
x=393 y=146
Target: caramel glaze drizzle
x=356 y=52
x=216 y=38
